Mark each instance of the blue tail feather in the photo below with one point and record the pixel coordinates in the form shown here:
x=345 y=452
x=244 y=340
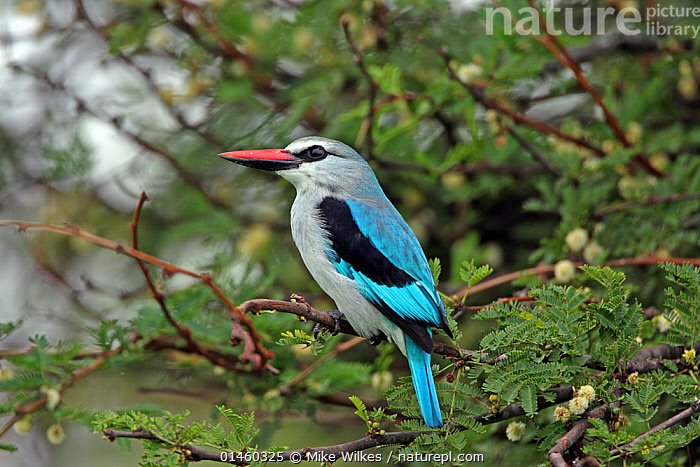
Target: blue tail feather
x=419 y=363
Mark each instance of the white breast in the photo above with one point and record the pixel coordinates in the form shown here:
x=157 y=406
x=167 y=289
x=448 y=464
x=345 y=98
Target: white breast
x=311 y=240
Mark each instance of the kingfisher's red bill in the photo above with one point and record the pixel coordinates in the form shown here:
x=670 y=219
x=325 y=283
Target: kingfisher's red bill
x=264 y=159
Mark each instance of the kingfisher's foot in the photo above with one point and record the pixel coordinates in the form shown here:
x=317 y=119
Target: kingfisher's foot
x=376 y=340
x=336 y=315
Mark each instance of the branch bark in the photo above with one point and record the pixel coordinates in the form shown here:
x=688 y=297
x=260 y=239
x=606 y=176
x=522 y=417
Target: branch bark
x=79 y=374
x=687 y=413
x=253 y=349
x=556 y=454
x=549 y=268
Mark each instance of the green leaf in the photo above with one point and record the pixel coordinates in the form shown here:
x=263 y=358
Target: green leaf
x=472 y=274
x=528 y=400
x=361 y=408
x=435 y=269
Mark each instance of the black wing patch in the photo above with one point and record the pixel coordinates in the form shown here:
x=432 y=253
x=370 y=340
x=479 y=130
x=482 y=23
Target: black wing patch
x=349 y=244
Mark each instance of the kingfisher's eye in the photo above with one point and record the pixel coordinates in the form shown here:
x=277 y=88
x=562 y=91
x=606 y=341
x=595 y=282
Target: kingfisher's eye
x=317 y=152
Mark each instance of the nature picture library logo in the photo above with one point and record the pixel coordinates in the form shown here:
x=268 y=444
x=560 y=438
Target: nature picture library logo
x=555 y=17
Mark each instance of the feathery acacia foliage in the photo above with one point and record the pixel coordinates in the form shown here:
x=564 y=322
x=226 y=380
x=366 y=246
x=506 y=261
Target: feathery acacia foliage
x=503 y=154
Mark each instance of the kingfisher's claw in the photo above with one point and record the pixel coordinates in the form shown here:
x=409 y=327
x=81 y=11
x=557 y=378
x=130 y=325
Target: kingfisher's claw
x=336 y=315
x=376 y=340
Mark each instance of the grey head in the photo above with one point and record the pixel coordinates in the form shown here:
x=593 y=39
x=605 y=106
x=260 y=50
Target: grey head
x=314 y=162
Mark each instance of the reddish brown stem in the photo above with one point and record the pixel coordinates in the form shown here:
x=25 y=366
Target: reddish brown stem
x=184 y=331
x=562 y=54
x=79 y=374
x=645 y=202
x=253 y=350
x=549 y=268
x=477 y=92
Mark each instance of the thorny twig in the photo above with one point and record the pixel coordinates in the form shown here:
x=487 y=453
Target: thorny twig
x=477 y=93
x=546 y=163
x=562 y=54
x=215 y=358
x=645 y=202
x=549 y=268
x=253 y=349
x=556 y=453
x=390 y=438
x=79 y=374
x=687 y=413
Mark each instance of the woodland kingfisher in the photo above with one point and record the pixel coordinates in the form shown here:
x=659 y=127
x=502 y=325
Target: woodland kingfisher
x=360 y=251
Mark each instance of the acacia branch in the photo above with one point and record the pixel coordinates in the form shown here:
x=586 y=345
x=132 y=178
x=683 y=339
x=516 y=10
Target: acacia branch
x=477 y=93
x=645 y=202
x=185 y=332
x=562 y=54
x=687 y=413
x=307 y=312
x=194 y=453
x=253 y=350
x=33 y=406
x=546 y=163
x=549 y=268
x=556 y=453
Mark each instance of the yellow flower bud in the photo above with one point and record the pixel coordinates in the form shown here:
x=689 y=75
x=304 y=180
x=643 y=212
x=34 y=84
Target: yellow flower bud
x=55 y=434
x=634 y=132
x=578 y=405
x=592 y=252
x=564 y=270
x=576 y=239
x=689 y=356
x=382 y=380
x=515 y=431
x=23 y=425
x=562 y=413
x=469 y=72
x=53 y=398
x=663 y=324
x=587 y=391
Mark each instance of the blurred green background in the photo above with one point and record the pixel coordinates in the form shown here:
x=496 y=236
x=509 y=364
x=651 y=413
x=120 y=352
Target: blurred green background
x=100 y=100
